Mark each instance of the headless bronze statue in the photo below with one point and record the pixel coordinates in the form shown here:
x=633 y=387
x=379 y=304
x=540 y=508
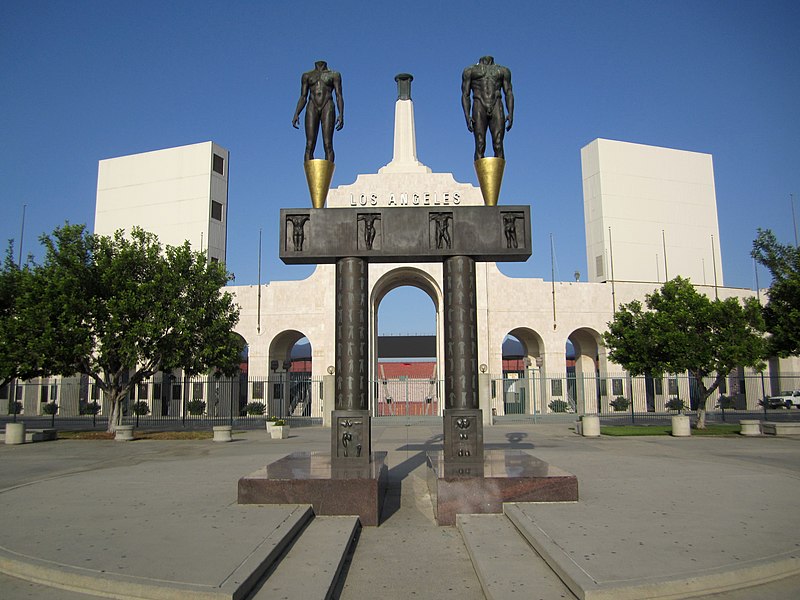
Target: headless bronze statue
x=316 y=95
x=488 y=83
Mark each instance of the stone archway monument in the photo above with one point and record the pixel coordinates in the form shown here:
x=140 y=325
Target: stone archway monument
x=353 y=477
x=457 y=237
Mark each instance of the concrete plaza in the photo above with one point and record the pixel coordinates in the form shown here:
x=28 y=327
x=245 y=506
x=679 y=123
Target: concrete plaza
x=656 y=515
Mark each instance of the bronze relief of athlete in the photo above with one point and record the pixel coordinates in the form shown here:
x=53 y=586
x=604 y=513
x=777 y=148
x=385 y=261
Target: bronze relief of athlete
x=488 y=83
x=317 y=88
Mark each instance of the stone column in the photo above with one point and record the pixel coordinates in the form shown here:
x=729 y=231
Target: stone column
x=350 y=428
x=463 y=426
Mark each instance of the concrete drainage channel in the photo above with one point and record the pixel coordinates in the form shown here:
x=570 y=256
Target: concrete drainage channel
x=320 y=549
x=279 y=568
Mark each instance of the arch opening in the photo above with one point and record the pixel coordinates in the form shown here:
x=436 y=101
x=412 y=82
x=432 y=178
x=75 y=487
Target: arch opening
x=584 y=384
x=406 y=344
x=289 y=392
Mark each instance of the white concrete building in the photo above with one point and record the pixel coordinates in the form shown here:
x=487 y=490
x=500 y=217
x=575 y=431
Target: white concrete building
x=650 y=214
x=177 y=193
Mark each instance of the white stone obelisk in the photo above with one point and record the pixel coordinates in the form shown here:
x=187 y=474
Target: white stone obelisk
x=404 y=159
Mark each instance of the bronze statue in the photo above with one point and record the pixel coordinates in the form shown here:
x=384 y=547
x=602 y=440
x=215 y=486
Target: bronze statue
x=486 y=81
x=318 y=86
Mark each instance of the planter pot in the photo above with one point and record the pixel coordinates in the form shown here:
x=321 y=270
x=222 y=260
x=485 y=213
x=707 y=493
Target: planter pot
x=15 y=433
x=590 y=426
x=279 y=432
x=270 y=425
x=750 y=427
x=681 y=426
x=222 y=433
x=124 y=433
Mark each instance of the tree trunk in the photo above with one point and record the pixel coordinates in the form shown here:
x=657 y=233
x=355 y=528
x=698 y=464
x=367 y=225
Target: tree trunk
x=115 y=418
x=702 y=408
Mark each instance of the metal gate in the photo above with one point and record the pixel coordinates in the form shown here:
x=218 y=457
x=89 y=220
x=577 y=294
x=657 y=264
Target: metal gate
x=404 y=397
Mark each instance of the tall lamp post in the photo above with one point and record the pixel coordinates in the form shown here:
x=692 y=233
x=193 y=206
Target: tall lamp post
x=273 y=365
x=528 y=362
x=287 y=364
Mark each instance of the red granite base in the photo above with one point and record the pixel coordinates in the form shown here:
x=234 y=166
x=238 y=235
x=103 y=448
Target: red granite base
x=504 y=476
x=309 y=478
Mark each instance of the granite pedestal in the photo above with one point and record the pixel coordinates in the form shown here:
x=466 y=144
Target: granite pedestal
x=311 y=478
x=503 y=476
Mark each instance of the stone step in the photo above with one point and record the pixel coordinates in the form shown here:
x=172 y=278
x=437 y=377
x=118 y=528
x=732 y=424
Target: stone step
x=311 y=567
x=506 y=565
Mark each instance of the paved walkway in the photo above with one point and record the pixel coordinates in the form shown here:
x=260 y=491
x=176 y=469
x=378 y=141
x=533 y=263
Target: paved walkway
x=165 y=513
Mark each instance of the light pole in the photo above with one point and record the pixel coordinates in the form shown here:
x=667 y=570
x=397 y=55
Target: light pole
x=273 y=365
x=287 y=365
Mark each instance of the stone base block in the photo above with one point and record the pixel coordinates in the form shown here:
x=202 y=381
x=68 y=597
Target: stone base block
x=311 y=478
x=789 y=428
x=503 y=476
x=590 y=426
x=124 y=433
x=750 y=427
x=681 y=426
x=15 y=433
x=222 y=433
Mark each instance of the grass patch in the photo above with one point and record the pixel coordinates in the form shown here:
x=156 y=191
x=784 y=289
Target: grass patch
x=138 y=435
x=634 y=430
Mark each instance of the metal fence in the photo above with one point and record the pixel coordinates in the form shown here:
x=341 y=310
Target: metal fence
x=405 y=397
x=530 y=396
x=200 y=402
x=165 y=401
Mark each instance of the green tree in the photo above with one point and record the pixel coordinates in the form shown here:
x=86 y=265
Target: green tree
x=119 y=309
x=782 y=312
x=682 y=330
x=17 y=324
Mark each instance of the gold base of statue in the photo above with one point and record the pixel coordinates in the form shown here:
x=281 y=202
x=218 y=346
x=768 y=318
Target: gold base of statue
x=319 y=173
x=490 y=177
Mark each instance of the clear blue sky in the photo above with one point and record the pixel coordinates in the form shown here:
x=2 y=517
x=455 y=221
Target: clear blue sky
x=88 y=80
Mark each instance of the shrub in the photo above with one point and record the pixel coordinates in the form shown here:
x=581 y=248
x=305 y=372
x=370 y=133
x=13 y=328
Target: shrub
x=675 y=404
x=14 y=407
x=272 y=419
x=50 y=408
x=726 y=403
x=280 y=423
x=558 y=406
x=141 y=408
x=255 y=408
x=196 y=407
x=92 y=408
x=620 y=403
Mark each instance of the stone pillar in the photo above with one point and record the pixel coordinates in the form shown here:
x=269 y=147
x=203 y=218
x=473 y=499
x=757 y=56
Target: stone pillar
x=463 y=425
x=350 y=427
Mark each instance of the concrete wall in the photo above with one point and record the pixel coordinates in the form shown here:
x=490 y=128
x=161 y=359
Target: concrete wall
x=168 y=192
x=639 y=192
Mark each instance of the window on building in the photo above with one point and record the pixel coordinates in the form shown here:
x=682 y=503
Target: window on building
x=616 y=387
x=143 y=391
x=659 y=386
x=197 y=391
x=214 y=259
x=598 y=266
x=219 y=164
x=258 y=390
x=673 y=386
x=4 y=391
x=216 y=210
